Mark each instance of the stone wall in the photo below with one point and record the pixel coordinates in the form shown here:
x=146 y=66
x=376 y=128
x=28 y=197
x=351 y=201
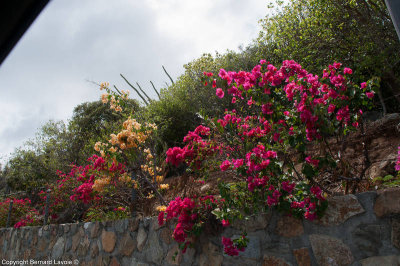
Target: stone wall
x=361 y=229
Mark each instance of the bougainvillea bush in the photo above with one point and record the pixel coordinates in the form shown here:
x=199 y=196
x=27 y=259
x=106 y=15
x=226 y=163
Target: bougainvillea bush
x=23 y=214
x=102 y=189
x=90 y=192
x=264 y=143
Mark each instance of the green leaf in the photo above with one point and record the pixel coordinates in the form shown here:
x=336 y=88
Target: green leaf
x=308 y=171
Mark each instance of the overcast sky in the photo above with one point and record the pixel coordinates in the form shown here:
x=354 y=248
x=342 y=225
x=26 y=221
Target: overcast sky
x=74 y=41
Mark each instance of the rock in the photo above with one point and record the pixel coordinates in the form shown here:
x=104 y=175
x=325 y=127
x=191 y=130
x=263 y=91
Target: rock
x=341 y=208
x=388 y=164
x=381 y=261
x=166 y=235
x=133 y=224
x=188 y=256
x=387 y=202
x=108 y=240
x=73 y=228
x=254 y=223
x=396 y=232
x=253 y=250
x=32 y=252
x=42 y=244
x=127 y=245
x=133 y=262
x=153 y=250
x=330 y=251
x=141 y=238
x=146 y=222
x=28 y=254
x=66 y=228
x=206 y=187
x=289 y=226
x=94 y=230
x=83 y=248
x=174 y=256
x=114 y=262
x=154 y=226
x=58 y=249
x=302 y=256
x=211 y=255
x=120 y=226
x=94 y=250
x=367 y=238
x=75 y=241
x=81 y=232
x=274 y=261
x=90 y=263
x=87 y=225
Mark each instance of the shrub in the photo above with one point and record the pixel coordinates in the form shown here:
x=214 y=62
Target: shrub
x=287 y=110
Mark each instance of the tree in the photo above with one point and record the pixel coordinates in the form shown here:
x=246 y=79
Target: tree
x=357 y=33
x=182 y=104
x=92 y=122
x=57 y=146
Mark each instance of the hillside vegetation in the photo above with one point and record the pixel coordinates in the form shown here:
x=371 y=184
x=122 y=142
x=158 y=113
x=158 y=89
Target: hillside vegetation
x=282 y=123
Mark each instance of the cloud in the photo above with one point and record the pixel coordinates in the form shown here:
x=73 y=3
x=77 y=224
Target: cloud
x=73 y=42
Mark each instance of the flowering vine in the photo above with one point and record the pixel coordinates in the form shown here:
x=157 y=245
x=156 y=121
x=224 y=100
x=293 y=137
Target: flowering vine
x=264 y=142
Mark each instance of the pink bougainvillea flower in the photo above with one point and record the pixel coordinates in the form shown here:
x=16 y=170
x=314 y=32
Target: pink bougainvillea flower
x=363 y=85
x=331 y=108
x=337 y=65
x=225 y=165
x=214 y=84
x=347 y=71
x=311 y=161
x=250 y=102
x=370 y=94
x=225 y=223
x=220 y=93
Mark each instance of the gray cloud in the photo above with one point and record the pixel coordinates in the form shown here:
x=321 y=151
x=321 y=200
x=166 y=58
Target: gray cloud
x=74 y=41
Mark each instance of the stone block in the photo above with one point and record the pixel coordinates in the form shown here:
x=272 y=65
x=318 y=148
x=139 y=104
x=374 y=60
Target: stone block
x=330 y=251
x=274 y=261
x=302 y=256
x=381 y=261
x=141 y=238
x=289 y=226
x=387 y=202
x=341 y=208
x=108 y=240
x=127 y=245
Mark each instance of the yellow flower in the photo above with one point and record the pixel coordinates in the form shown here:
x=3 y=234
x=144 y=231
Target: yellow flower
x=114 y=139
x=104 y=98
x=136 y=125
x=97 y=146
x=161 y=208
x=125 y=178
x=159 y=179
x=100 y=183
x=164 y=186
x=104 y=85
x=127 y=124
x=112 y=149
